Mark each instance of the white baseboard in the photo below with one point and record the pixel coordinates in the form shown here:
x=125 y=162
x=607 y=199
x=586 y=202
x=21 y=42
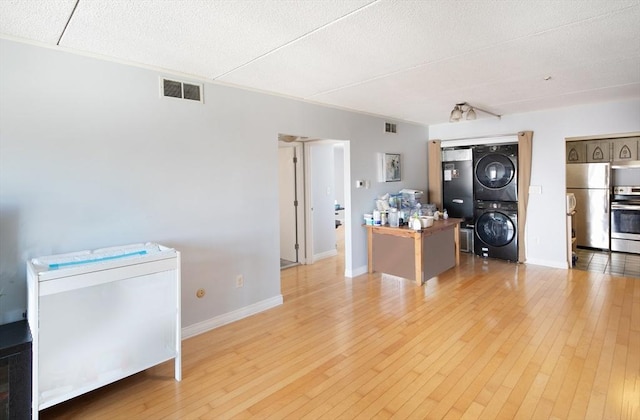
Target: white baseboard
x=356 y=272
x=323 y=255
x=229 y=317
x=547 y=263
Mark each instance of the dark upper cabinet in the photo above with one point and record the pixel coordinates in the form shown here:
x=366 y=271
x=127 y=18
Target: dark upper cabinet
x=605 y=150
x=576 y=152
x=625 y=149
x=599 y=151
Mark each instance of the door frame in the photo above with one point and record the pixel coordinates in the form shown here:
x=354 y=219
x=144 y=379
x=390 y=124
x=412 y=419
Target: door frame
x=300 y=196
x=347 y=203
x=305 y=227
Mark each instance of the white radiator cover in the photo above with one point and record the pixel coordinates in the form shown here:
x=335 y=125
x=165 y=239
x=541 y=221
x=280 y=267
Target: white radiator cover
x=99 y=316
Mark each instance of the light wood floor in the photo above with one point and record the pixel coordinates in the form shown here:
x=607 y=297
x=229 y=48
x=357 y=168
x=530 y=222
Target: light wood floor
x=487 y=339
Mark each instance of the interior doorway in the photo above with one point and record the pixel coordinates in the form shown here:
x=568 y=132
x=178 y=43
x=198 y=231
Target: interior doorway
x=291 y=203
x=319 y=185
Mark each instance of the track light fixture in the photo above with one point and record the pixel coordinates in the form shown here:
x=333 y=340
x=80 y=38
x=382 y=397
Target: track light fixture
x=464 y=108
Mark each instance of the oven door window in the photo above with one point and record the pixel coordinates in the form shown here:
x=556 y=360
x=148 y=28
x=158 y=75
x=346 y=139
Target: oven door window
x=625 y=221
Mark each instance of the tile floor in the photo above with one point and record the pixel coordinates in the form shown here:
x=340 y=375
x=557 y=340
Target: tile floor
x=616 y=263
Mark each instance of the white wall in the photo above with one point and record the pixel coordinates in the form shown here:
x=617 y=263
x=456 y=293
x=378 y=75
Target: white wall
x=90 y=156
x=545 y=240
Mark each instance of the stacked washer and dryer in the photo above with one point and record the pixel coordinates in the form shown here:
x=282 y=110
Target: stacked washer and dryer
x=480 y=186
x=495 y=191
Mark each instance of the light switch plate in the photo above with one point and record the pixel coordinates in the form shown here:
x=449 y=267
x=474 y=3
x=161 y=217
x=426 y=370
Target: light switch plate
x=535 y=189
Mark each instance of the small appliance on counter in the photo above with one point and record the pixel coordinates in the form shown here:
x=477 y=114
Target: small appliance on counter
x=571 y=203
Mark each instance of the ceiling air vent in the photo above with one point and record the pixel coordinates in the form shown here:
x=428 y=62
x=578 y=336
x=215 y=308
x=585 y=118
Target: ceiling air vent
x=181 y=90
x=390 y=128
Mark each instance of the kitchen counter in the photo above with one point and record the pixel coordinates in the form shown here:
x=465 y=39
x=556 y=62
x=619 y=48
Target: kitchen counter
x=416 y=255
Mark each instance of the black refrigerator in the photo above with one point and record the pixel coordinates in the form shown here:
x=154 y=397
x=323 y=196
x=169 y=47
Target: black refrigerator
x=457 y=191
x=457 y=183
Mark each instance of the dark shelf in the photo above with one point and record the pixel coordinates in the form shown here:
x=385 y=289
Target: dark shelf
x=15 y=371
x=14 y=337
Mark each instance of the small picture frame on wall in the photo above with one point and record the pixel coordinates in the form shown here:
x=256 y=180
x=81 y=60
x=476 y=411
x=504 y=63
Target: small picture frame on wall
x=392 y=167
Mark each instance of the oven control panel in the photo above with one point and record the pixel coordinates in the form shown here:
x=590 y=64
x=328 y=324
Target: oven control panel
x=626 y=190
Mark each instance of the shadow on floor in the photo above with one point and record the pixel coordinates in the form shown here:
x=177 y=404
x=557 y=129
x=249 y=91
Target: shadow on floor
x=286 y=263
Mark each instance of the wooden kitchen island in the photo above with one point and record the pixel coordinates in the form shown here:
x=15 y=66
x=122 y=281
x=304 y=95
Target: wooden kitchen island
x=415 y=255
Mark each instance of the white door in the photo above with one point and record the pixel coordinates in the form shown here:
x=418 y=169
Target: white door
x=287 y=182
x=321 y=231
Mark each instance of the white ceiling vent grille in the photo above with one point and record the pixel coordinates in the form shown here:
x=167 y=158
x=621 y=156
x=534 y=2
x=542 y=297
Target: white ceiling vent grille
x=390 y=128
x=180 y=90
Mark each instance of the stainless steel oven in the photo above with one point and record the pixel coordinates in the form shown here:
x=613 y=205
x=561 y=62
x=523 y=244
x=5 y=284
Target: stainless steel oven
x=625 y=219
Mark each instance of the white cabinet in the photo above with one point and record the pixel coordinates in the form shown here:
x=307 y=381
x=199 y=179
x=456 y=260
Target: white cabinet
x=576 y=152
x=599 y=151
x=625 y=149
x=99 y=316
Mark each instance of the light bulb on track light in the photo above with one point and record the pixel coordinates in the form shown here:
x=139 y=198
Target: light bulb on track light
x=469 y=112
x=456 y=114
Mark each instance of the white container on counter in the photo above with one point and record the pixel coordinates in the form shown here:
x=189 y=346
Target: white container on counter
x=427 y=221
x=394 y=220
x=377 y=218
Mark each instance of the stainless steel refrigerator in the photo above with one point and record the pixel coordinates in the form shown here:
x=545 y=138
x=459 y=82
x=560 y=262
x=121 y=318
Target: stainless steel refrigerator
x=590 y=184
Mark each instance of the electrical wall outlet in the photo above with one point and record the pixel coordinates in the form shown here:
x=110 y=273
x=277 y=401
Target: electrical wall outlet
x=200 y=293
x=239 y=280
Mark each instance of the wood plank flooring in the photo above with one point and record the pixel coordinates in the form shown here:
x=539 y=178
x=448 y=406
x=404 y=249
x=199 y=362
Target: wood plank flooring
x=487 y=339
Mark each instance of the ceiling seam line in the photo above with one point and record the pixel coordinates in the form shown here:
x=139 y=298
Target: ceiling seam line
x=486 y=83
x=566 y=94
x=75 y=6
x=416 y=66
x=295 y=40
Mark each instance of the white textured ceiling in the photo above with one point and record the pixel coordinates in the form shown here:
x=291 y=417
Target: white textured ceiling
x=408 y=60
